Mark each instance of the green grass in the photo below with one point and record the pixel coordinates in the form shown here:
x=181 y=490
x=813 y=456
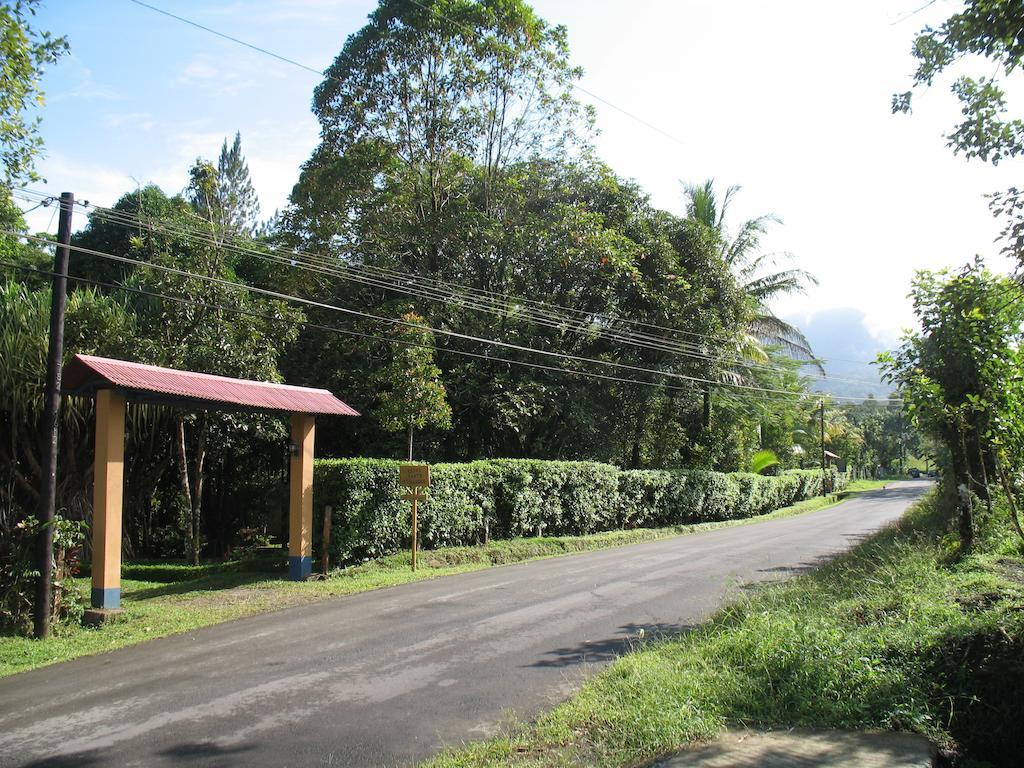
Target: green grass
x=160 y=598
x=893 y=635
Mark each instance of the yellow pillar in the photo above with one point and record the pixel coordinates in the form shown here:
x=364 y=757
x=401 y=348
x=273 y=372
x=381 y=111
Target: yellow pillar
x=300 y=510
x=107 y=500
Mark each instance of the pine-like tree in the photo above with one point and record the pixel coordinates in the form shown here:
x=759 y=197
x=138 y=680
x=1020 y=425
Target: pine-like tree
x=224 y=194
x=239 y=204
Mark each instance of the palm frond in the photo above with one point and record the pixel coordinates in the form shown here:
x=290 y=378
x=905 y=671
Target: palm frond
x=747 y=240
x=730 y=193
x=788 y=281
x=777 y=332
x=701 y=203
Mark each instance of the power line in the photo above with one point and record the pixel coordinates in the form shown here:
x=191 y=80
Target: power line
x=347 y=332
x=386 y=339
x=267 y=254
x=439 y=331
x=506 y=303
x=235 y=40
x=641 y=340
x=515 y=304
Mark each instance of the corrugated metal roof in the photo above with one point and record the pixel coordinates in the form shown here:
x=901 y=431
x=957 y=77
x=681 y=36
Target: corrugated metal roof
x=85 y=374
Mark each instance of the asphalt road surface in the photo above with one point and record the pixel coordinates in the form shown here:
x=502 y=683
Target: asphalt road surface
x=391 y=677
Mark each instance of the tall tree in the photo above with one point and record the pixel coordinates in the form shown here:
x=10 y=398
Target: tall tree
x=223 y=194
x=24 y=54
x=212 y=329
x=424 y=97
x=443 y=160
x=239 y=205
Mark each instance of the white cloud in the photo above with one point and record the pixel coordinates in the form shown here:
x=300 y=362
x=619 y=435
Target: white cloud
x=84 y=84
x=225 y=76
x=141 y=121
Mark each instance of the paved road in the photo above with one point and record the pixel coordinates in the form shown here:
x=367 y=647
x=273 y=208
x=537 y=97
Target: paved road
x=389 y=677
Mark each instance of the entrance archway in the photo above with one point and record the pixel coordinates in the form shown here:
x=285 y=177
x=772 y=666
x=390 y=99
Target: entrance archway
x=114 y=382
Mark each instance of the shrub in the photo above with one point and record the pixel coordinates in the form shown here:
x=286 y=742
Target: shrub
x=511 y=498
x=18 y=571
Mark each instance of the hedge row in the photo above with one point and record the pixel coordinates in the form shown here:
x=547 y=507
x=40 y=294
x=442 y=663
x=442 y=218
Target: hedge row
x=510 y=498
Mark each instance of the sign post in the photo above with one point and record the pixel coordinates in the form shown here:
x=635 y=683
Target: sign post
x=415 y=479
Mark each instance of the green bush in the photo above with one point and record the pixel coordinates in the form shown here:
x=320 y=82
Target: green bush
x=512 y=498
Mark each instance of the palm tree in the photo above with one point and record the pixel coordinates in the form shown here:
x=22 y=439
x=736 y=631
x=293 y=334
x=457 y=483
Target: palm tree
x=742 y=253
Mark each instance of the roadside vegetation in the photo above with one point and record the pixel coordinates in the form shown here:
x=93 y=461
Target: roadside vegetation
x=476 y=502
x=900 y=633
x=513 y=298
x=163 y=598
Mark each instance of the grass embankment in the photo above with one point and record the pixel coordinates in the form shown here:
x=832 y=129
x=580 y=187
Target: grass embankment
x=894 y=635
x=162 y=599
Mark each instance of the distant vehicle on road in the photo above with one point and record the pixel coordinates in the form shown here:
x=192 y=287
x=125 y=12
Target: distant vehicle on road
x=915 y=472
x=933 y=473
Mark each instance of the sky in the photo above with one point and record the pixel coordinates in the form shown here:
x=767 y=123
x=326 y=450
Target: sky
x=790 y=99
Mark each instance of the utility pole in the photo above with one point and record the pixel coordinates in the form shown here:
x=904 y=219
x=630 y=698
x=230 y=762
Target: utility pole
x=824 y=488
x=51 y=422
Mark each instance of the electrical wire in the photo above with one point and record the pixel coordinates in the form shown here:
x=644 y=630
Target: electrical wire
x=518 y=304
x=556 y=322
x=269 y=255
x=438 y=331
x=348 y=332
x=510 y=305
x=45 y=203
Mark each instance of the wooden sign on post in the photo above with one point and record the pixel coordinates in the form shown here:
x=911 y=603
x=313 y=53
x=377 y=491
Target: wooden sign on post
x=415 y=479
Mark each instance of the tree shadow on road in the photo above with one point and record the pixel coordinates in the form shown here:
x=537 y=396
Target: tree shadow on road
x=190 y=753
x=74 y=760
x=630 y=637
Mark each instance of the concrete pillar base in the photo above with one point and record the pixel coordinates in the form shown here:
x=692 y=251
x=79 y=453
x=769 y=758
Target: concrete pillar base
x=94 y=617
x=106 y=599
x=299 y=568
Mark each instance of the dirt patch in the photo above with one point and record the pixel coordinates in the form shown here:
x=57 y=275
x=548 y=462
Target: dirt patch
x=228 y=598
x=1011 y=569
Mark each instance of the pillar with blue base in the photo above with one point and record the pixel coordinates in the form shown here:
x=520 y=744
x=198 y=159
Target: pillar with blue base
x=300 y=508
x=108 y=492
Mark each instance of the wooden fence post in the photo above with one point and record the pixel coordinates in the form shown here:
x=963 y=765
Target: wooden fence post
x=326 y=554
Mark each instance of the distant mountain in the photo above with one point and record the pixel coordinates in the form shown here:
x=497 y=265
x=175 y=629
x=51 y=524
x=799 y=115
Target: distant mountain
x=840 y=337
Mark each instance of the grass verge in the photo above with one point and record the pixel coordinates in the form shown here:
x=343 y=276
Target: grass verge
x=161 y=599
x=893 y=635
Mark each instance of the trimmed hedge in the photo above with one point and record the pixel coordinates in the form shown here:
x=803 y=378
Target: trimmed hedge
x=510 y=498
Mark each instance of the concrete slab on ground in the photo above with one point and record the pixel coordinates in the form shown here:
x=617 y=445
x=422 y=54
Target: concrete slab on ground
x=807 y=749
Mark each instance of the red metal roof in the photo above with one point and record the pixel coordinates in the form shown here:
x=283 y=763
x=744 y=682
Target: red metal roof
x=84 y=374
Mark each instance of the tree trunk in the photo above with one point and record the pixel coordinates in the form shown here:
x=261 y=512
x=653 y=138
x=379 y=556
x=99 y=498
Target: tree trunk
x=197 y=496
x=186 y=487
x=963 y=478
x=1010 y=496
x=987 y=496
x=193 y=495
x=638 y=434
